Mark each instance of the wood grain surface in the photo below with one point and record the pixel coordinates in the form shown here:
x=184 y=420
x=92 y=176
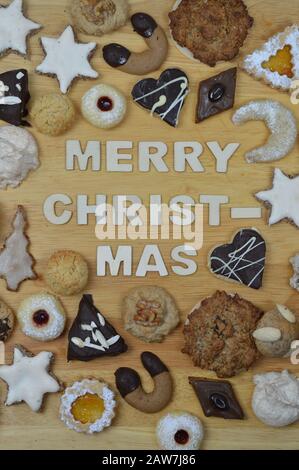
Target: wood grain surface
x=21 y=428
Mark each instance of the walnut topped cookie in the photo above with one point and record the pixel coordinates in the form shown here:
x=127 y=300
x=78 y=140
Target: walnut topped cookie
x=210 y=30
x=150 y=313
x=218 y=334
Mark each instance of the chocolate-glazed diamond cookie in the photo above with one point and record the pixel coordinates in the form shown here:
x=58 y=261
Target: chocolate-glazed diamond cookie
x=216 y=94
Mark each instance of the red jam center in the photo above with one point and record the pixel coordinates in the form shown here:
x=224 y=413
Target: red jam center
x=41 y=317
x=105 y=103
x=181 y=437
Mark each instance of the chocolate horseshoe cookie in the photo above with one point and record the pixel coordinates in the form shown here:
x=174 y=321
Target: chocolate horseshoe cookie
x=129 y=385
x=140 y=63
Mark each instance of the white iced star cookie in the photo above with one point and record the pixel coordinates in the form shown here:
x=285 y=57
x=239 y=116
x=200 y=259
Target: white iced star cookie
x=14 y=28
x=28 y=378
x=283 y=197
x=67 y=59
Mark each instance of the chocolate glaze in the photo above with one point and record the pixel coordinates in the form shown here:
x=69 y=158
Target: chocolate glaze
x=127 y=380
x=153 y=364
x=116 y=55
x=217 y=398
x=143 y=24
x=18 y=88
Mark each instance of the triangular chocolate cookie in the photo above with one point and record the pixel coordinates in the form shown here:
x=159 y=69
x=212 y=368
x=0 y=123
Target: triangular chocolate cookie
x=277 y=62
x=14 y=97
x=91 y=335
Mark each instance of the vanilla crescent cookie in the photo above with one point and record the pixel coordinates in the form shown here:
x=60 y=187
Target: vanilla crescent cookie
x=87 y=406
x=281 y=122
x=104 y=106
x=179 y=431
x=41 y=317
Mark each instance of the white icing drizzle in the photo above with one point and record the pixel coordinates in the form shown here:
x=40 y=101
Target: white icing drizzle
x=238 y=257
x=99 y=341
x=179 y=99
x=161 y=102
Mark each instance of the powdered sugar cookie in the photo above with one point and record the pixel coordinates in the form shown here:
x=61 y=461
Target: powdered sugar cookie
x=67 y=59
x=104 y=106
x=179 y=431
x=15 y=28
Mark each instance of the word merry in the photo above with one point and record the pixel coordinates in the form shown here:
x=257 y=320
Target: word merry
x=150 y=155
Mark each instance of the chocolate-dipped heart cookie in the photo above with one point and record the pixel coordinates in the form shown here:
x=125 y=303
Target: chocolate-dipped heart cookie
x=91 y=335
x=242 y=260
x=164 y=97
x=14 y=96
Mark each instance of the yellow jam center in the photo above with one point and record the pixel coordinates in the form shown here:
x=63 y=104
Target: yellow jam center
x=88 y=408
x=281 y=62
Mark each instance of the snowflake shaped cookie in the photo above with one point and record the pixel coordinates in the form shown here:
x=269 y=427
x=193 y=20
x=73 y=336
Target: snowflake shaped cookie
x=14 y=28
x=283 y=198
x=28 y=378
x=67 y=59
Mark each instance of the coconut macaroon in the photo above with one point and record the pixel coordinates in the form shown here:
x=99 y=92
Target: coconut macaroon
x=276 y=331
x=87 y=406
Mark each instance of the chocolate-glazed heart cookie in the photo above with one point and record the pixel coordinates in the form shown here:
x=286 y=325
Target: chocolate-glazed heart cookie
x=164 y=97
x=91 y=335
x=14 y=96
x=243 y=260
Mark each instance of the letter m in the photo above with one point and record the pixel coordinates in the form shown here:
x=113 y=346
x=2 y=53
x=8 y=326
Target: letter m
x=92 y=151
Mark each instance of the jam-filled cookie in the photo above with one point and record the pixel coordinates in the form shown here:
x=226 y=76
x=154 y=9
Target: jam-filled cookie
x=41 y=317
x=104 y=106
x=179 y=431
x=87 y=406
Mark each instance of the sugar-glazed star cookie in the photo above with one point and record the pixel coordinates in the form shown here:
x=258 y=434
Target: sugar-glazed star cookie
x=67 y=59
x=14 y=28
x=283 y=198
x=29 y=378
x=277 y=62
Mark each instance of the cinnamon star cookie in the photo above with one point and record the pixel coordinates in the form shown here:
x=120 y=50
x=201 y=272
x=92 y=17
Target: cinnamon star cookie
x=210 y=30
x=218 y=334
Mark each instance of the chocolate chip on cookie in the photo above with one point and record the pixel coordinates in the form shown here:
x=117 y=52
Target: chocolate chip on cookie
x=218 y=334
x=211 y=30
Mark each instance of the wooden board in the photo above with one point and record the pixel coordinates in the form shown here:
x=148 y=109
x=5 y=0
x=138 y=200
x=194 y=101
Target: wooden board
x=20 y=428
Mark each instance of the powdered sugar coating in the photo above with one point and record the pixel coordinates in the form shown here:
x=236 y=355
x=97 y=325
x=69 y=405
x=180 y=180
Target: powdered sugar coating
x=276 y=398
x=171 y=423
x=104 y=119
x=18 y=155
x=281 y=123
x=79 y=389
x=253 y=62
x=50 y=304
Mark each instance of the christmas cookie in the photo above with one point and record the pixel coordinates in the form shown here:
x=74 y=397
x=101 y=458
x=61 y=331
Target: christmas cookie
x=91 y=335
x=16 y=263
x=41 y=317
x=7 y=321
x=150 y=313
x=29 y=378
x=98 y=17
x=242 y=260
x=276 y=331
x=67 y=59
x=294 y=281
x=277 y=62
x=164 y=97
x=14 y=97
x=275 y=400
x=179 y=431
x=210 y=30
x=281 y=123
x=217 y=398
x=15 y=28
x=283 y=198
x=218 y=334
x=52 y=114
x=140 y=63
x=87 y=406
x=18 y=156
x=66 y=272
x=104 y=106
x=216 y=94
x=129 y=385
